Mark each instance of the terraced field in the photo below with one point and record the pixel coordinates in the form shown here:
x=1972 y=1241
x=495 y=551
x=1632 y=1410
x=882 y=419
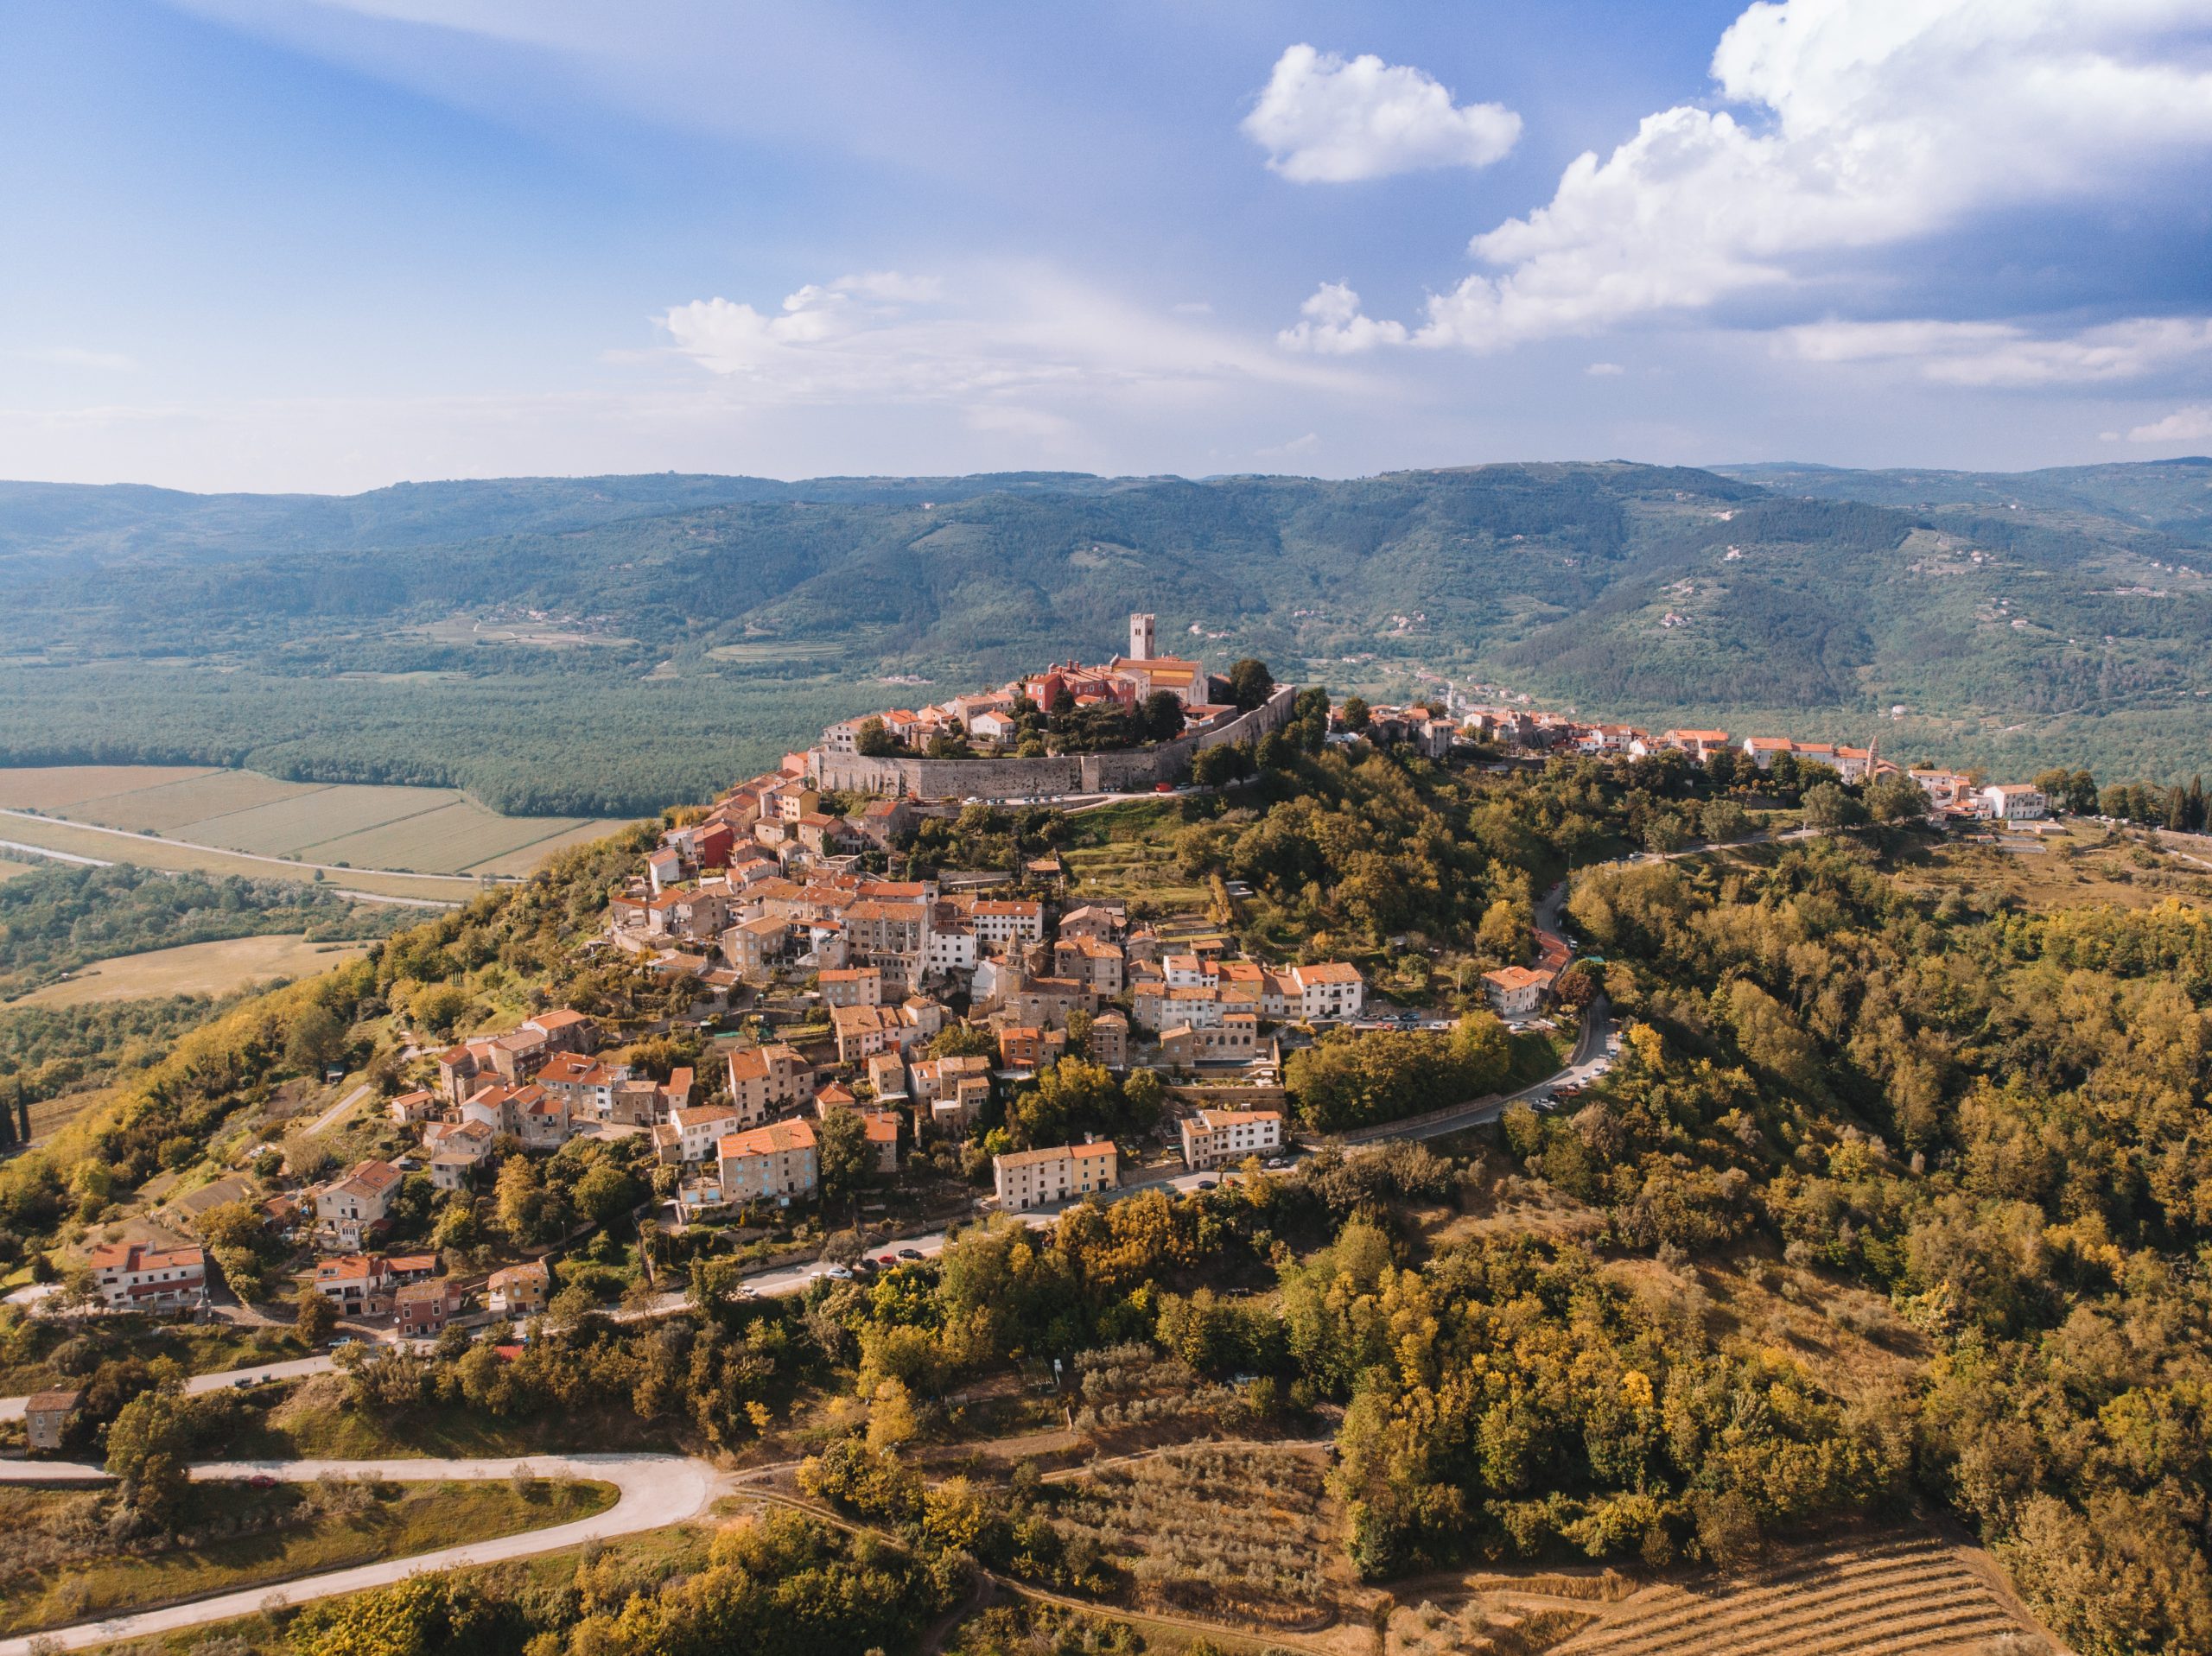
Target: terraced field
x=423 y=831
x=1899 y=1595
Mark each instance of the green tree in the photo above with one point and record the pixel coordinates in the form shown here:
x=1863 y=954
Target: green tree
x=1722 y=820
x=1828 y=808
x=1250 y=683
x=1894 y=797
x=314 y=1317
x=872 y=741
x=605 y=1192
x=1161 y=716
x=843 y=1157
x=147 y=1446
x=1356 y=713
x=316 y=1038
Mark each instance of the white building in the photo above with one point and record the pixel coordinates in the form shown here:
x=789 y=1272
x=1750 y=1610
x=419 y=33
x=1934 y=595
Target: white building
x=1042 y=1178
x=1329 y=989
x=1213 y=1136
x=2014 y=802
x=137 y=1276
x=1516 y=991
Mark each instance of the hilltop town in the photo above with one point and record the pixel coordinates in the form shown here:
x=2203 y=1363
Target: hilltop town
x=900 y=1012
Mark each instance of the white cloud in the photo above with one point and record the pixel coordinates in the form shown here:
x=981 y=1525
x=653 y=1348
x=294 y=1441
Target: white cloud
x=2183 y=425
x=2002 y=355
x=1867 y=123
x=1325 y=120
x=1003 y=334
x=1334 y=326
x=1605 y=370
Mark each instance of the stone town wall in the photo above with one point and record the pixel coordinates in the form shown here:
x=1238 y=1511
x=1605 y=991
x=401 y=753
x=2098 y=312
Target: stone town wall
x=1131 y=771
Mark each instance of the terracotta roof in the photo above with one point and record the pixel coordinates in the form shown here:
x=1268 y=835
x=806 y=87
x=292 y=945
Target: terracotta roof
x=1516 y=977
x=775 y=1138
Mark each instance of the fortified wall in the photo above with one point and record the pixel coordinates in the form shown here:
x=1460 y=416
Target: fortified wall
x=1131 y=771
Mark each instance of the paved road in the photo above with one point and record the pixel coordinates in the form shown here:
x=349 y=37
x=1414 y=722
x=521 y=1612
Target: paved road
x=330 y=1116
x=11 y=1408
x=657 y=1490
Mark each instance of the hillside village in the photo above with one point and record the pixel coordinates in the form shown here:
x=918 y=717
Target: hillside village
x=898 y=1014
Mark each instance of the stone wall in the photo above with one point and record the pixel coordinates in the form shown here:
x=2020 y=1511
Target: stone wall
x=1129 y=771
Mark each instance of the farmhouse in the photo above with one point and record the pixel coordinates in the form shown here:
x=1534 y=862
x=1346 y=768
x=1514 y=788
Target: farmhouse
x=138 y=1276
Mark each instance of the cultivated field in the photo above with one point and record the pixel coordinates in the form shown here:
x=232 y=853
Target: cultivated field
x=1887 y=1595
x=359 y=827
x=9 y=870
x=1236 y=1531
x=194 y=968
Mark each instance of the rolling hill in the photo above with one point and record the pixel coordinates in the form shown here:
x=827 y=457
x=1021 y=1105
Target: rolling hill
x=598 y=645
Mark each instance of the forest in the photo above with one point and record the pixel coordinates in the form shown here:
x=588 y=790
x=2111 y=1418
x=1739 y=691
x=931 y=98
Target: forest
x=59 y=916
x=620 y=644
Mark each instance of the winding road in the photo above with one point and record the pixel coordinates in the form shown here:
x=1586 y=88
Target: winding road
x=656 y=1490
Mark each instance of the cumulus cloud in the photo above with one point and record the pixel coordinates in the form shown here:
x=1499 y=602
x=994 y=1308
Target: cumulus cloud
x=1332 y=325
x=1863 y=125
x=2183 y=425
x=2002 y=355
x=1324 y=119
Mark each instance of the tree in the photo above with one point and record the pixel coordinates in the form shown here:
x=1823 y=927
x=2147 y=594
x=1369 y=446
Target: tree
x=1892 y=797
x=236 y=1239
x=1161 y=715
x=315 y=1318
x=1356 y=713
x=962 y=1041
x=1827 y=806
x=890 y=1417
x=605 y=1193
x=317 y=1037
x=842 y=1154
x=147 y=1444
x=1250 y=683
x=949 y=745
x=1723 y=820
x=438 y=1008
x=1223 y=762
x=872 y=741
x=1072 y=1095
x=1144 y=1098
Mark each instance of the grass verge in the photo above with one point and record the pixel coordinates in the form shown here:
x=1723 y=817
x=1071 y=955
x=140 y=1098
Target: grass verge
x=69 y=1569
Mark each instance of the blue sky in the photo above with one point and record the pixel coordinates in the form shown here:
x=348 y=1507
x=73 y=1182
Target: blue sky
x=283 y=244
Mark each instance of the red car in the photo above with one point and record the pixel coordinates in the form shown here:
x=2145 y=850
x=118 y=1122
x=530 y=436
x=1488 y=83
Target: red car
x=1163 y=787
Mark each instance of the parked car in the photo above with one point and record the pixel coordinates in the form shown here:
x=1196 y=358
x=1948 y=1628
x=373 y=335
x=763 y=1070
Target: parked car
x=1209 y=1185
x=909 y=1254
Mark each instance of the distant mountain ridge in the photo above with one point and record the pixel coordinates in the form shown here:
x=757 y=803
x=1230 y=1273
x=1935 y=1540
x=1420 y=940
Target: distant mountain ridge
x=603 y=644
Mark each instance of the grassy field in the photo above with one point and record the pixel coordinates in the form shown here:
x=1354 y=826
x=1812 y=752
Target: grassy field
x=309 y=1421
x=420 y=842
x=9 y=870
x=63 y=1569
x=194 y=968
